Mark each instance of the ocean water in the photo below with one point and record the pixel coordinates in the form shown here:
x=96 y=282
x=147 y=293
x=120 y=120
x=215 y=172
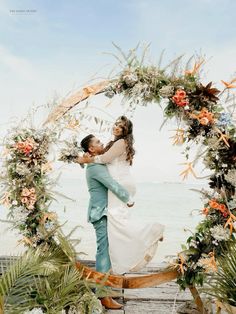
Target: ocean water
x=174 y=205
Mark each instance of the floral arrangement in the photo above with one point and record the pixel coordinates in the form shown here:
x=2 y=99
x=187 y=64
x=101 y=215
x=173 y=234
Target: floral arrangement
x=70 y=151
x=26 y=182
x=202 y=119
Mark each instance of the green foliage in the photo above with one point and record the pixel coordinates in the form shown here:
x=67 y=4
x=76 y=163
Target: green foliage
x=46 y=278
x=222 y=284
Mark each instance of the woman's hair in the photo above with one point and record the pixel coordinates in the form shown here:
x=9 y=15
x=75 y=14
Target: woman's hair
x=127 y=135
x=85 y=143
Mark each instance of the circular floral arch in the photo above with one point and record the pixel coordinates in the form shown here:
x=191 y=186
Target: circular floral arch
x=204 y=115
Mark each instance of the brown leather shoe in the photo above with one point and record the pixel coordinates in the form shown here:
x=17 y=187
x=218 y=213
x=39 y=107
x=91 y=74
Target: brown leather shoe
x=109 y=303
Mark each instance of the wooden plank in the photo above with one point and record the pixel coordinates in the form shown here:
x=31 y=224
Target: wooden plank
x=167 y=291
x=115 y=312
x=151 y=307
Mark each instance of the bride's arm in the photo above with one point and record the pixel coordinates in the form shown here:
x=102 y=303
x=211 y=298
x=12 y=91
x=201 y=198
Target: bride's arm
x=117 y=149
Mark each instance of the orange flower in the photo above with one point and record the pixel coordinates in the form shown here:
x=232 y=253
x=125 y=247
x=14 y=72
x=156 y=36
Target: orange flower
x=195 y=69
x=230 y=222
x=223 y=137
x=26 y=146
x=180 y=98
x=229 y=85
x=178 y=138
x=188 y=170
x=73 y=124
x=204 y=117
x=204 y=121
x=5 y=200
x=205 y=211
x=222 y=208
x=218 y=206
x=213 y=204
x=20 y=145
x=209 y=263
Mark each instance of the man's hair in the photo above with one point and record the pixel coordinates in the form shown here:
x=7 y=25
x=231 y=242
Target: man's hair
x=85 y=143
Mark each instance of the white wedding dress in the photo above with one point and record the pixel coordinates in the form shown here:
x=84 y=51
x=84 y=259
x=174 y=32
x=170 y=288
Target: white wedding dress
x=132 y=243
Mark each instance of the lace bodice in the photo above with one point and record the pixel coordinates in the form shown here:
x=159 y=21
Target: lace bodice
x=117 y=151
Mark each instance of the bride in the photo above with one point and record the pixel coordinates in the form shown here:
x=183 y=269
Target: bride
x=132 y=243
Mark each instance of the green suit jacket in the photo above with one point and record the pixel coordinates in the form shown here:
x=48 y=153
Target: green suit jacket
x=99 y=181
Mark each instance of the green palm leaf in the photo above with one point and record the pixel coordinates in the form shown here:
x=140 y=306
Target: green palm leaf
x=222 y=284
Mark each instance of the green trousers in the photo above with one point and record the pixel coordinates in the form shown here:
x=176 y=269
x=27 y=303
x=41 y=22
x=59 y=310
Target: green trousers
x=103 y=263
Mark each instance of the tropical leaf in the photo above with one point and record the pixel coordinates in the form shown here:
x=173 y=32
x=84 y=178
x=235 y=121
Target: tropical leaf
x=222 y=284
x=46 y=277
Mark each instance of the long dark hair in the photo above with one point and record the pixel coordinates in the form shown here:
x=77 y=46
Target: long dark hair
x=127 y=135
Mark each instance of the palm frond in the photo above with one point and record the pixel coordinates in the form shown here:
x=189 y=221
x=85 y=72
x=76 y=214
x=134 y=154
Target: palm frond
x=46 y=277
x=222 y=284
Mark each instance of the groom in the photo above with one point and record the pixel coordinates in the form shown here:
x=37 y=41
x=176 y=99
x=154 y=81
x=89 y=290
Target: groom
x=99 y=181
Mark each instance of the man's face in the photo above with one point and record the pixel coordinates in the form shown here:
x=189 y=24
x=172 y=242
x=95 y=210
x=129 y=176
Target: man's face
x=96 y=146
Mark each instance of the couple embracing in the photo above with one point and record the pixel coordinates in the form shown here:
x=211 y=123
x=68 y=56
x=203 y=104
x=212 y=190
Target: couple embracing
x=123 y=244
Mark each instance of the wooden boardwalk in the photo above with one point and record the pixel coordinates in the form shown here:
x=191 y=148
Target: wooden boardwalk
x=163 y=299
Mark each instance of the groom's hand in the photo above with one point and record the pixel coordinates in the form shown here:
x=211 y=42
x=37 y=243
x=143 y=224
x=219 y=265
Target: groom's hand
x=86 y=158
x=80 y=160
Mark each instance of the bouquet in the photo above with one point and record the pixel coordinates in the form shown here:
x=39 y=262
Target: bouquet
x=71 y=151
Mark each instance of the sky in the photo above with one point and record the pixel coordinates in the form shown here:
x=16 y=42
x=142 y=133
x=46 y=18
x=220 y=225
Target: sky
x=60 y=45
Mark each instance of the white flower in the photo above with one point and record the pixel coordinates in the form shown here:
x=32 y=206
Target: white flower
x=20 y=215
x=130 y=79
x=22 y=169
x=34 y=311
x=231 y=177
x=234 y=225
x=219 y=233
x=166 y=91
x=14 y=202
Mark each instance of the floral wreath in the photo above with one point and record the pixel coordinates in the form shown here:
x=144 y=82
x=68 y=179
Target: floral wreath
x=201 y=119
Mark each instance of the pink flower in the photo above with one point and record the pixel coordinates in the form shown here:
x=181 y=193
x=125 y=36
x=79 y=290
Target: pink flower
x=24 y=200
x=25 y=192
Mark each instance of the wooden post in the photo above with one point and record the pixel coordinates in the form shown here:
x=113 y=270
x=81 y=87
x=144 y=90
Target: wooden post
x=197 y=300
